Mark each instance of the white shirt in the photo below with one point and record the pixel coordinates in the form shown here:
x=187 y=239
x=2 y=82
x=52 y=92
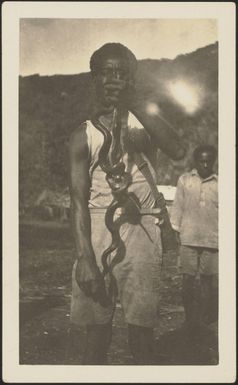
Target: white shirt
x=194 y=213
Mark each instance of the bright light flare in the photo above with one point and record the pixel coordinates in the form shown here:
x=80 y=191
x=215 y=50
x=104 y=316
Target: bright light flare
x=185 y=94
x=152 y=109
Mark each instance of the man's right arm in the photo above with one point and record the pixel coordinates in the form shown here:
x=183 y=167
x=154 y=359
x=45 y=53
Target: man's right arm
x=79 y=191
x=88 y=275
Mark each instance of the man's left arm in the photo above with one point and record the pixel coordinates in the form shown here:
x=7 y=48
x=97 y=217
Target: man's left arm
x=162 y=135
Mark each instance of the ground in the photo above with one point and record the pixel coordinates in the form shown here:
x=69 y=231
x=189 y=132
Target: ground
x=46 y=336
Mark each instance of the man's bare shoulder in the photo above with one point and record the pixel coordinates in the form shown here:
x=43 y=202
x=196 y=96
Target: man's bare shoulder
x=78 y=142
x=78 y=133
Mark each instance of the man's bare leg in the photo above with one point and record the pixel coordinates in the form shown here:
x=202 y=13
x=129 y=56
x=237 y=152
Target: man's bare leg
x=209 y=290
x=98 y=341
x=141 y=343
x=190 y=297
x=215 y=298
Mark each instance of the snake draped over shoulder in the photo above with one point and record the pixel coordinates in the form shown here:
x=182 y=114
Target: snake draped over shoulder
x=119 y=180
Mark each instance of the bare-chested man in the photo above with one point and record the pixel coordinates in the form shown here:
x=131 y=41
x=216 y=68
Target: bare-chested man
x=113 y=69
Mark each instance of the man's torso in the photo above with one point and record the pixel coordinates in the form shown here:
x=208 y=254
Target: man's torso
x=100 y=192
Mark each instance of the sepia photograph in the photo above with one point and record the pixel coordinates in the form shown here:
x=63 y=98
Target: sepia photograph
x=119 y=260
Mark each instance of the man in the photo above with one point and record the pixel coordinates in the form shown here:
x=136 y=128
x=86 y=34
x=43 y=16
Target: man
x=194 y=216
x=113 y=69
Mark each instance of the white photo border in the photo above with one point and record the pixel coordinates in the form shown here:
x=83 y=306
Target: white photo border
x=225 y=371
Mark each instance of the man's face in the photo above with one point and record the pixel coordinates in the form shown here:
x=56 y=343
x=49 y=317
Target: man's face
x=112 y=80
x=204 y=164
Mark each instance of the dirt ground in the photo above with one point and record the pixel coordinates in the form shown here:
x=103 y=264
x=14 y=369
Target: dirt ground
x=46 y=336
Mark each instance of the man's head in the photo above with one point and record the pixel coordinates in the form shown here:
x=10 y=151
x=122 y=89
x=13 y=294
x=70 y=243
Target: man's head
x=204 y=158
x=113 y=67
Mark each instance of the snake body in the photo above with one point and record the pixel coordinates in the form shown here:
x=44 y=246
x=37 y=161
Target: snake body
x=119 y=181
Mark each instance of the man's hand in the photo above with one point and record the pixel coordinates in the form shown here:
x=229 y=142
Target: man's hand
x=117 y=92
x=91 y=282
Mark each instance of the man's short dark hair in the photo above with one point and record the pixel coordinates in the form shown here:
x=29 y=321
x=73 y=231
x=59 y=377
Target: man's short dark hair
x=205 y=148
x=112 y=49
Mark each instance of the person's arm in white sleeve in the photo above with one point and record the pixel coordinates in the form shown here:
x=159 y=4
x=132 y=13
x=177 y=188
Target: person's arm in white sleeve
x=178 y=206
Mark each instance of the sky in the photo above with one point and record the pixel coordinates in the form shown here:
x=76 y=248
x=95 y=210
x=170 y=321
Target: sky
x=64 y=46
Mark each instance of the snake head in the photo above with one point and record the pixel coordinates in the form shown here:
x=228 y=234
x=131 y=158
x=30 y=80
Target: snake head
x=118 y=169
x=118 y=183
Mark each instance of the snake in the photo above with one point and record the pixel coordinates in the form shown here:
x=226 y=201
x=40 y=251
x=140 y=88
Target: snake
x=119 y=180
